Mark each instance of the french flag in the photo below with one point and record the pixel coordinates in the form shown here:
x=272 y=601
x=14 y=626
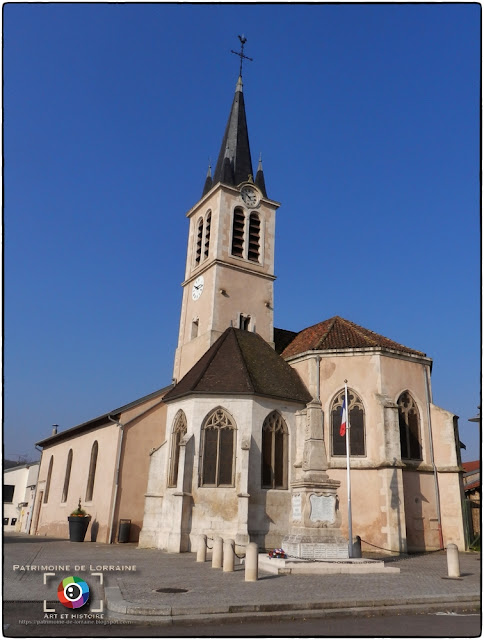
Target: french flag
x=342 y=429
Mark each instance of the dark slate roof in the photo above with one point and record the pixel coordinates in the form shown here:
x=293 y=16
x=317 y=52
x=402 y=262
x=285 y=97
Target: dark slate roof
x=338 y=333
x=100 y=421
x=234 y=164
x=282 y=338
x=241 y=362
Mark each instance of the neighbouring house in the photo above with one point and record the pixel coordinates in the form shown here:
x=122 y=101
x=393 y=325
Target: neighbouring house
x=472 y=491
x=103 y=462
x=18 y=496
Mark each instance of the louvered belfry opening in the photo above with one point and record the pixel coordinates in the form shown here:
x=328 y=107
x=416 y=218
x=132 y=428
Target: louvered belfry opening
x=199 y=241
x=238 y=233
x=254 y=238
x=207 y=234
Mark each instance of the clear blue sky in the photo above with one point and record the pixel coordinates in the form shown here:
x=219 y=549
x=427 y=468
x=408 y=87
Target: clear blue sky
x=367 y=117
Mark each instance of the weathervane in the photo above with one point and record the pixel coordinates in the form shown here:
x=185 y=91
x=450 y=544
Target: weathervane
x=240 y=53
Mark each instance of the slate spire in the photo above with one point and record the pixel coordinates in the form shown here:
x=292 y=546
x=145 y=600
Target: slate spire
x=259 y=178
x=208 y=181
x=234 y=164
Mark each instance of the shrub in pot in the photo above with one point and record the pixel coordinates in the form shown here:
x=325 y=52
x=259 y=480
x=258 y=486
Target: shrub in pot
x=78 y=523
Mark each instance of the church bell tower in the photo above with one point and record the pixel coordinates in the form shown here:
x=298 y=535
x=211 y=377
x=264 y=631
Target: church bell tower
x=229 y=271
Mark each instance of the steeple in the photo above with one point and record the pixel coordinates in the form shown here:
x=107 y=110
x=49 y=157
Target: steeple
x=259 y=178
x=234 y=164
x=208 y=181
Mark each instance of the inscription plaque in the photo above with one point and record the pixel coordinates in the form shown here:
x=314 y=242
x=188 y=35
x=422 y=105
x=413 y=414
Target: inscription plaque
x=323 y=508
x=296 y=507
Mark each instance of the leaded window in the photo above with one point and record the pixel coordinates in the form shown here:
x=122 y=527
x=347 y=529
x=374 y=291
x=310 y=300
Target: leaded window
x=49 y=476
x=218 y=450
x=179 y=430
x=356 y=413
x=92 y=471
x=274 y=452
x=408 y=419
x=67 y=477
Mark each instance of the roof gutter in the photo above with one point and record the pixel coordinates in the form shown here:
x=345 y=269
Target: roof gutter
x=432 y=459
x=116 y=477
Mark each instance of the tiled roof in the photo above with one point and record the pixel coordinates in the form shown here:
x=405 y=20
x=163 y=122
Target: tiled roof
x=338 y=333
x=241 y=362
x=472 y=485
x=474 y=465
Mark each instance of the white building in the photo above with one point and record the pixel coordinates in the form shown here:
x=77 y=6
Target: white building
x=18 y=496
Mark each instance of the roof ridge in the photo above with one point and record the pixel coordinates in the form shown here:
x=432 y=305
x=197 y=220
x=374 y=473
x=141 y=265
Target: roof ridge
x=242 y=355
x=210 y=356
x=360 y=331
x=326 y=333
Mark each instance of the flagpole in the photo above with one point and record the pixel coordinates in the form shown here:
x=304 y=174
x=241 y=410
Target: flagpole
x=348 y=477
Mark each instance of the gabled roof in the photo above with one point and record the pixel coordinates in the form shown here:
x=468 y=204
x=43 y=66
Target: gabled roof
x=241 y=362
x=234 y=164
x=100 y=420
x=338 y=333
x=474 y=465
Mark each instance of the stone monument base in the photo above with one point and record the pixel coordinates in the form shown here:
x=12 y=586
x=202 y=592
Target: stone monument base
x=322 y=545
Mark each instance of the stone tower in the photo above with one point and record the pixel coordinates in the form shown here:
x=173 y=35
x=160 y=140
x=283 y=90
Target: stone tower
x=230 y=256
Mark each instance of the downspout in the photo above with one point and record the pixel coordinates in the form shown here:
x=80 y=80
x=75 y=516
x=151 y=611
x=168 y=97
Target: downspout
x=116 y=478
x=436 y=480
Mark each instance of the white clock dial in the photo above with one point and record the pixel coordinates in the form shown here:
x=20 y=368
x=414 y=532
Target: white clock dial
x=197 y=288
x=250 y=196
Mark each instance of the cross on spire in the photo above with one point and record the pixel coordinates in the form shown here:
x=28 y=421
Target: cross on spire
x=240 y=53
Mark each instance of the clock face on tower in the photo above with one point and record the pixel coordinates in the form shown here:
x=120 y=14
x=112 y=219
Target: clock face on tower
x=250 y=195
x=197 y=288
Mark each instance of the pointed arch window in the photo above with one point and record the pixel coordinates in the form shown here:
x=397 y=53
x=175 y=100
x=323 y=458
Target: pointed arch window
x=218 y=450
x=92 y=471
x=274 y=452
x=254 y=238
x=198 y=253
x=408 y=420
x=67 y=477
x=238 y=232
x=49 y=477
x=208 y=222
x=179 y=430
x=356 y=414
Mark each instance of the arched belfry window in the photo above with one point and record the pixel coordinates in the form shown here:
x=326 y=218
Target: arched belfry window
x=208 y=221
x=179 y=430
x=254 y=238
x=218 y=449
x=356 y=414
x=92 y=471
x=198 y=252
x=408 y=419
x=238 y=232
x=274 y=452
x=49 y=477
x=67 y=477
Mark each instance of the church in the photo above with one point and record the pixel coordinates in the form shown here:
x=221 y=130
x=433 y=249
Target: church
x=239 y=444
x=246 y=394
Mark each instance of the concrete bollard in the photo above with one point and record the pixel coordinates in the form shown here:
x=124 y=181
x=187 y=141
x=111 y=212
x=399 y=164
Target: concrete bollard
x=217 y=552
x=251 y=562
x=228 y=560
x=202 y=548
x=453 y=568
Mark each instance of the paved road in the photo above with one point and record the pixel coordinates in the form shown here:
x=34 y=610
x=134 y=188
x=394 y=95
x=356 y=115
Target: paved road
x=135 y=581
x=441 y=624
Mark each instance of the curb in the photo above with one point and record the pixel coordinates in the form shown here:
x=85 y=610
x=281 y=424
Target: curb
x=115 y=603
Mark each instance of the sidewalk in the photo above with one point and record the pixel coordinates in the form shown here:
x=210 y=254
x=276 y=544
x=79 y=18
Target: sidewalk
x=132 y=578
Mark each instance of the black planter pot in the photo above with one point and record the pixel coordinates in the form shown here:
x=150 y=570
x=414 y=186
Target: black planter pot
x=77 y=528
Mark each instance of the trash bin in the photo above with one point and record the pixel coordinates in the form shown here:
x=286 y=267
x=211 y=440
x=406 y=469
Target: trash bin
x=123 y=533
